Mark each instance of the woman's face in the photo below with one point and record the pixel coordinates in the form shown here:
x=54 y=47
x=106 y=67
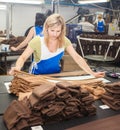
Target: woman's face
x=54 y=32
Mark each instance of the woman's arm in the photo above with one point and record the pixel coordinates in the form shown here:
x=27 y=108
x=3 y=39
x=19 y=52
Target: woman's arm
x=21 y=60
x=82 y=63
x=25 y=42
x=104 y=22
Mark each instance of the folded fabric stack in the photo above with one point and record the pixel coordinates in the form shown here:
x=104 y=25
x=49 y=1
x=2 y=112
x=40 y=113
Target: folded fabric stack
x=95 y=88
x=49 y=103
x=18 y=116
x=112 y=95
x=25 y=83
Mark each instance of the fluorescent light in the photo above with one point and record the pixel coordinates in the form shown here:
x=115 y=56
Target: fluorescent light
x=23 y=1
x=91 y=1
x=2 y=7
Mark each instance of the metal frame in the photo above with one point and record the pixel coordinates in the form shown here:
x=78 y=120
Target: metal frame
x=104 y=40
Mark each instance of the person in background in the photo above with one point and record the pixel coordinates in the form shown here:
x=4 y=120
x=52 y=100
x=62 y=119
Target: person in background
x=100 y=24
x=49 y=49
x=86 y=26
x=32 y=31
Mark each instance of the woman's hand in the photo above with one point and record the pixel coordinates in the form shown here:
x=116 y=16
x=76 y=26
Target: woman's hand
x=12 y=70
x=99 y=74
x=13 y=48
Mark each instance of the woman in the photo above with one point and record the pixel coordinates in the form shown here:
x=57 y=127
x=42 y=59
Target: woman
x=100 y=24
x=33 y=31
x=49 y=50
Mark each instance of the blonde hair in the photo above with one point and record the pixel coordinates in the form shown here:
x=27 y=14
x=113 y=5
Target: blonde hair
x=55 y=19
x=100 y=16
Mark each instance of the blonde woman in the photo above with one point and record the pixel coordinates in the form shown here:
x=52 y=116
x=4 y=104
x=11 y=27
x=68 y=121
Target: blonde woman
x=49 y=50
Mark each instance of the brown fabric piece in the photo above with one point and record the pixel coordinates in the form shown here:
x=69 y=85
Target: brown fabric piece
x=63 y=84
x=84 y=92
x=49 y=96
x=112 y=95
x=43 y=90
x=88 y=98
x=107 y=97
x=71 y=110
x=72 y=102
x=74 y=92
x=110 y=123
x=95 y=88
x=41 y=102
x=62 y=93
x=55 y=118
x=14 y=113
x=116 y=103
x=33 y=100
x=99 y=91
x=42 y=105
x=35 y=120
x=53 y=109
x=90 y=108
x=73 y=73
x=111 y=105
x=113 y=91
x=22 y=124
x=115 y=86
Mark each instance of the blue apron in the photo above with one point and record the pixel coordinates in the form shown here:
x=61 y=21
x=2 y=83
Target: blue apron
x=49 y=62
x=100 y=26
x=39 y=30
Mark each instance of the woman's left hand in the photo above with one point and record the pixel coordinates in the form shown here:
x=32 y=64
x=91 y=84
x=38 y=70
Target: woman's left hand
x=99 y=74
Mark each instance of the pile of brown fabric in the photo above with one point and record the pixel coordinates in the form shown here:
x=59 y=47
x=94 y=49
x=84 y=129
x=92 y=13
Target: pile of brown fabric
x=25 y=83
x=18 y=116
x=13 y=41
x=112 y=95
x=49 y=103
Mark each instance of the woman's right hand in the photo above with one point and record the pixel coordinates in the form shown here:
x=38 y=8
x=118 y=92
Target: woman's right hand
x=13 y=48
x=12 y=70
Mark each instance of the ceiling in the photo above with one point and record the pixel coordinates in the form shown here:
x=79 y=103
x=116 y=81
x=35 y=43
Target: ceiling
x=23 y=1
x=114 y=3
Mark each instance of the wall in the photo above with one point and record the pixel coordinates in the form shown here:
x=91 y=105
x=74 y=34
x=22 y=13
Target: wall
x=2 y=20
x=23 y=16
